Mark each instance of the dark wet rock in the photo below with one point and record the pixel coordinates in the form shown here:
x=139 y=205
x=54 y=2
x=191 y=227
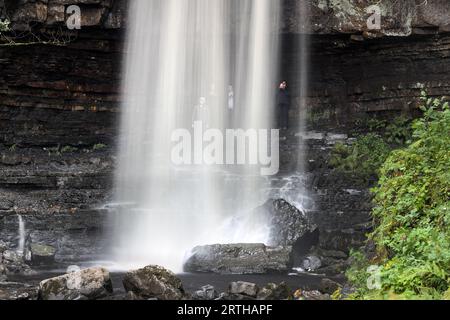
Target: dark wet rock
x=334 y=269
x=329 y=286
x=17 y=291
x=207 y=292
x=154 y=282
x=3 y=271
x=274 y=291
x=332 y=254
x=3 y=247
x=243 y=288
x=75 y=236
x=311 y=263
x=288 y=224
x=10 y=256
x=41 y=254
x=239 y=259
x=87 y=284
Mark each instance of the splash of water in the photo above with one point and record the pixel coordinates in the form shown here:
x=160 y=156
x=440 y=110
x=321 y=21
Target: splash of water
x=182 y=54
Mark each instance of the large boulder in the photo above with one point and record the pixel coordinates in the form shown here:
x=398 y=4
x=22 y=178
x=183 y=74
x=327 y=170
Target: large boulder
x=207 y=292
x=288 y=224
x=40 y=254
x=274 y=291
x=311 y=263
x=154 y=282
x=239 y=259
x=87 y=284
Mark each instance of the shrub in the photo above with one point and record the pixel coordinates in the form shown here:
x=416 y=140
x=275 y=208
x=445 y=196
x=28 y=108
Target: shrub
x=4 y=26
x=363 y=158
x=412 y=212
x=99 y=146
x=399 y=132
x=69 y=149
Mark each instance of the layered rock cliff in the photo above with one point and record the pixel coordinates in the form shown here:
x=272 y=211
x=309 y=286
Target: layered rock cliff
x=60 y=102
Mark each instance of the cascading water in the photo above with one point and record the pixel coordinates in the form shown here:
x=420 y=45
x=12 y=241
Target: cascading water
x=185 y=60
x=21 y=235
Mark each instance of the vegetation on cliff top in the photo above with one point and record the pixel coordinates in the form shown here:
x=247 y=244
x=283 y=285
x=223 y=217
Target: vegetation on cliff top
x=412 y=216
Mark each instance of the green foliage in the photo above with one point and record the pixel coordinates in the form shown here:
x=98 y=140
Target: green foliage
x=13 y=148
x=362 y=158
x=59 y=151
x=376 y=125
x=99 y=146
x=412 y=213
x=54 y=151
x=357 y=273
x=317 y=117
x=4 y=25
x=69 y=149
x=399 y=131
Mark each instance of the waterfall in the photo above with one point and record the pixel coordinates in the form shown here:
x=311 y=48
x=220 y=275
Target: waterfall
x=21 y=245
x=185 y=59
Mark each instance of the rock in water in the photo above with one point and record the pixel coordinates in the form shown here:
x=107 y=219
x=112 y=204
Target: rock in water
x=288 y=224
x=243 y=288
x=239 y=259
x=154 y=282
x=87 y=284
x=329 y=286
x=207 y=292
x=273 y=291
x=41 y=254
x=311 y=263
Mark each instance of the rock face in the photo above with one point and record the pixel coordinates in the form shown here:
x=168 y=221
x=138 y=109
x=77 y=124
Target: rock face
x=397 y=18
x=88 y=284
x=54 y=98
x=109 y=14
x=12 y=262
x=239 y=259
x=288 y=224
x=154 y=282
x=17 y=291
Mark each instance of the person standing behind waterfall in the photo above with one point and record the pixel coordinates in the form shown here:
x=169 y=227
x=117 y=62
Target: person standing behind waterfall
x=201 y=113
x=283 y=106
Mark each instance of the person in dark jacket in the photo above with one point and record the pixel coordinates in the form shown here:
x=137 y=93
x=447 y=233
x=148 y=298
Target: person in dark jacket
x=283 y=106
